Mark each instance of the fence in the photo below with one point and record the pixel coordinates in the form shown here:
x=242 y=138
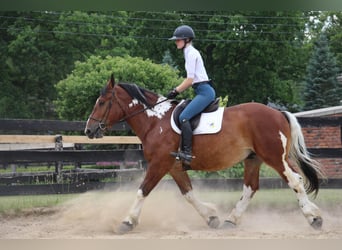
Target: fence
x=45 y=145
x=27 y=142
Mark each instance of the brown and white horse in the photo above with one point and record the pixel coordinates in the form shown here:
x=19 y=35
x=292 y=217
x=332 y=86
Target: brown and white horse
x=251 y=132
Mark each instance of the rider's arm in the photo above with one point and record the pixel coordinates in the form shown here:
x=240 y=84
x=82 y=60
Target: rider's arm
x=184 y=85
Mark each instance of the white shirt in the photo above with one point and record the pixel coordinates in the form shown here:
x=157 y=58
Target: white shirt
x=194 y=65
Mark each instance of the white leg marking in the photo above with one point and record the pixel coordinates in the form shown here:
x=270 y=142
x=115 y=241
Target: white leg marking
x=206 y=210
x=295 y=181
x=134 y=213
x=241 y=205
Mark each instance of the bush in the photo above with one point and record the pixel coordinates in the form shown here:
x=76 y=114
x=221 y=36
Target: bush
x=77 y=93
x=234 y=172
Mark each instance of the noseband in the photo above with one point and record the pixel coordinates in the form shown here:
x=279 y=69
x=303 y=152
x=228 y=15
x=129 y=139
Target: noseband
x=102 y=122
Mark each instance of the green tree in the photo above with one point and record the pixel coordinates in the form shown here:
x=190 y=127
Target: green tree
x=322 y=88
x=334 y=32
x=77 y=93
x=331 y=23
x=251 y=56
x=151 y=31
x=38 y=49
x=28 y=67
x=258 y=56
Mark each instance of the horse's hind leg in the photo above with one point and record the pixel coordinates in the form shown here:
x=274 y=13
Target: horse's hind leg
x=309 y=209
x=251 y=185
x=295 y=181
x=207 y=211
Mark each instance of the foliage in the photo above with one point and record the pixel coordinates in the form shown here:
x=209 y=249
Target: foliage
x=233 y=172
x=329 y=22
x=223 y=101
x=250 y=55
x=38 y=49
x=236 y=171
x=322 y=88
x=334 y=32
x=77 y=93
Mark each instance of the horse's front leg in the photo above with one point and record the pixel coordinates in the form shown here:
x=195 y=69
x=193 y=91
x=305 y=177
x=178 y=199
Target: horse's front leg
x=206 y=210
x=132 y=219
x=153 y=175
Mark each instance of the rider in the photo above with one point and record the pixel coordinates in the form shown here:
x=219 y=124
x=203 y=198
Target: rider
x=197 y=78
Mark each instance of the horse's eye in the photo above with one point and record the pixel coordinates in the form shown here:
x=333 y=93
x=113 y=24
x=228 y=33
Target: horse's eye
x=101 y=103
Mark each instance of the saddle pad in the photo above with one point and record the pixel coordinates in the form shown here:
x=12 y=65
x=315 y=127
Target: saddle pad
x=210 y=123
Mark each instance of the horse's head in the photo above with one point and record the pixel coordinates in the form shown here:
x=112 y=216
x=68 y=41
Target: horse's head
x=106 y=111
x=124 y=101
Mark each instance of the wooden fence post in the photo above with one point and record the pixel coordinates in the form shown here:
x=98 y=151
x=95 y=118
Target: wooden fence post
x=59 y=164
x=13 y=168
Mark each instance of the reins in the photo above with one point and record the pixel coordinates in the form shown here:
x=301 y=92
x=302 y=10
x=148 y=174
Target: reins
x=102 y=125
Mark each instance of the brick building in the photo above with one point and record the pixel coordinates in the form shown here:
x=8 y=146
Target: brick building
x=328 y=136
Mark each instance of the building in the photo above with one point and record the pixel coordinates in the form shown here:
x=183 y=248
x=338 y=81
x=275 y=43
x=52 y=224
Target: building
x=325 y=132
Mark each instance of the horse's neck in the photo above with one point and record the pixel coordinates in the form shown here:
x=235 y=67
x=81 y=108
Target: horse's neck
x=145 y=122
x=141 y=127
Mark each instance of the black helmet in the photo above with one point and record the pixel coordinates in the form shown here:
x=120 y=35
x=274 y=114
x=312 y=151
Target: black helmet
x=183 y=32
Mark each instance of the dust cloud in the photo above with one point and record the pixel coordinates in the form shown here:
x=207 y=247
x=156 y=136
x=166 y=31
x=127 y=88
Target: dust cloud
x=167 y=215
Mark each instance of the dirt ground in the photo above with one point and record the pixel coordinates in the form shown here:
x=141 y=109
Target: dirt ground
x=165 y=215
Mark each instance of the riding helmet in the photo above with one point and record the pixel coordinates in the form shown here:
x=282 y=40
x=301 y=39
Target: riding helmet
x=183 y=32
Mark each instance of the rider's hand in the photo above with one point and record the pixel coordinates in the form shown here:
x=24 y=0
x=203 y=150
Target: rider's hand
x=172 y=94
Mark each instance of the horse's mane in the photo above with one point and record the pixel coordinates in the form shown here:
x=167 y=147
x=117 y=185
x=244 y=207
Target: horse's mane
x=137 y=92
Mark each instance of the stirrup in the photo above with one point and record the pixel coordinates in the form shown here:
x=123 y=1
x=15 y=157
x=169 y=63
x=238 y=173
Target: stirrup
x=182 y=156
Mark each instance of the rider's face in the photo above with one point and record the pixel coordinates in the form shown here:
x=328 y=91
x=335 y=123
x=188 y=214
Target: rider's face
x=180 y=43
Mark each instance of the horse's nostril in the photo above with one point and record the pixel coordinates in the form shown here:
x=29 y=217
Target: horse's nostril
x=87 y=132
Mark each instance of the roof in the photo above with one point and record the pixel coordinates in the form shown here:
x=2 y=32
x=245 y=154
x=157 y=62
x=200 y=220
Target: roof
x=320 y=112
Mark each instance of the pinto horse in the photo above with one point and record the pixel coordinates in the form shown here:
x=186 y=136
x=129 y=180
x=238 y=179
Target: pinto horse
x=251 y=132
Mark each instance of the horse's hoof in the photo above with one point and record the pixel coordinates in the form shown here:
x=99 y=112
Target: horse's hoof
x=213 y=222
x=317 y=223
x=125 y=227
x=227 y=224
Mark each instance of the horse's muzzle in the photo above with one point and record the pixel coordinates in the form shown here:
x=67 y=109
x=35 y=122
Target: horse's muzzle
x=93 y=133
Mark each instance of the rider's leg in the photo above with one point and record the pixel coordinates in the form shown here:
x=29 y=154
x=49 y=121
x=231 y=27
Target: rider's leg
x=186 y=143
x=205 y=95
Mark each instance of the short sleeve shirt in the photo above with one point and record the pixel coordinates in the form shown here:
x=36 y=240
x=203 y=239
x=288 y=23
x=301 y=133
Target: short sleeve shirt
x=194 y=65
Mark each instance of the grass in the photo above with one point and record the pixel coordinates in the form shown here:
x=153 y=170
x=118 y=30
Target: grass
x=32 y=169
x=273 y=198
x=16 y=204
x=269 y=198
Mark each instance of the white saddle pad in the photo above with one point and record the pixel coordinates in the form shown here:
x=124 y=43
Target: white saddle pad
x=210 y=123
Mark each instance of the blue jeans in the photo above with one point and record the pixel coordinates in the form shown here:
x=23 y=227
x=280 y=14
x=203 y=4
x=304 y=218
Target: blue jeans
x=205 y=94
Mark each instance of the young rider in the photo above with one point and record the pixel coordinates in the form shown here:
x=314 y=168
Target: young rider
x=198 y=79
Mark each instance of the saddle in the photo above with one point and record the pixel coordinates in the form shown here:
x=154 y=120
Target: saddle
x=213 y=106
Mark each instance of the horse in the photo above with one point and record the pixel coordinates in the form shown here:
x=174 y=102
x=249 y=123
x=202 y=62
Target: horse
x=251 y=132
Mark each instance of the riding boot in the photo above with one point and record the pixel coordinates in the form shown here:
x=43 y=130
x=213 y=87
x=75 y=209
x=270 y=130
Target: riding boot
x=186 y=144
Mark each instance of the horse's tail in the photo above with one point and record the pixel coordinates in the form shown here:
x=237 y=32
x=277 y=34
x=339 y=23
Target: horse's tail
x=299 y=153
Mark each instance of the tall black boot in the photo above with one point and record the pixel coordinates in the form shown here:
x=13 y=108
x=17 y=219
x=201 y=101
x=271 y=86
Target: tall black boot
x=186 y=144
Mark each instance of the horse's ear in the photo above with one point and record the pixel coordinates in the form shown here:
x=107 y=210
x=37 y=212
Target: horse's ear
x=112 y=80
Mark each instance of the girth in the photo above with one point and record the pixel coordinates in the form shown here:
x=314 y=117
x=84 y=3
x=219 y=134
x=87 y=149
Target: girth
x=213 y=106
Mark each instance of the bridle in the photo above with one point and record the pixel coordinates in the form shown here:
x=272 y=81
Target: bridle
x=102 y=121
